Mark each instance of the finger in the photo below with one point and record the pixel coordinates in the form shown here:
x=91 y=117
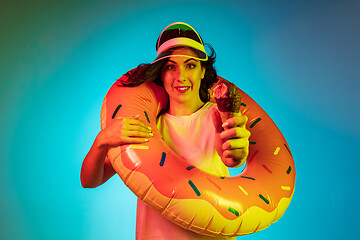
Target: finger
x=132 y=140
x=238 y=143
x=139 y=134
x=233 y=162
x=141 y=128
x=236 y=154
x=130 y=121
x=216 y=119
x=236 y=132
x=239 y=120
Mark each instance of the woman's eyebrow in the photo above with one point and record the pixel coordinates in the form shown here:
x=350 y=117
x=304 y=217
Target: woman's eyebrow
x=190 y=60
x=187 y=60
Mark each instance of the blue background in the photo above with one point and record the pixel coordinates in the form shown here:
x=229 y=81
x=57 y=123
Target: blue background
x=298 y=59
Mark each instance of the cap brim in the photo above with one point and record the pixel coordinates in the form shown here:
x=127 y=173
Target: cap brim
x=168 y=53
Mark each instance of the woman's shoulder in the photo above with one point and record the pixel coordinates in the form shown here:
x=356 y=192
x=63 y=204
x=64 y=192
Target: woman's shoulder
x=204 y=111
x=208 y=107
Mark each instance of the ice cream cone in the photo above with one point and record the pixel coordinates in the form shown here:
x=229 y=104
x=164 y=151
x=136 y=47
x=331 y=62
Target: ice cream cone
x=228 y=100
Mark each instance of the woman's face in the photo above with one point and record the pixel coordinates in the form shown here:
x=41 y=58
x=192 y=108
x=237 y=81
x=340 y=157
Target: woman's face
x=182 y=76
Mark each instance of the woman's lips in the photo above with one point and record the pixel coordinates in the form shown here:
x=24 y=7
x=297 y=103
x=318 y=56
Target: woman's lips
x=182 y=89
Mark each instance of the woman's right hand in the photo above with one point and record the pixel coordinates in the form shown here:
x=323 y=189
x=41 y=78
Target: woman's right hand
x=124 y=131
x=96 y=168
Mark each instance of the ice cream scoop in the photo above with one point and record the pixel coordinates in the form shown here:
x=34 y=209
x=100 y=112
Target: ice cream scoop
x=228 y=99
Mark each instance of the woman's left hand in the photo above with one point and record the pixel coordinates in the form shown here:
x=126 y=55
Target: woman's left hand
x=232 y=138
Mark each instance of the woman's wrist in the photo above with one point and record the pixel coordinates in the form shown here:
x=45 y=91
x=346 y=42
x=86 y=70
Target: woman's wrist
x=99 y=143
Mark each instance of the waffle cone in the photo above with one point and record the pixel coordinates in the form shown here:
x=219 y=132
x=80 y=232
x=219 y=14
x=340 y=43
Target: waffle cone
x=229 y=104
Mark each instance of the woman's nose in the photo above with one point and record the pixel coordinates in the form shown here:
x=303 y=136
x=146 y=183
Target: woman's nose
x=181 y=75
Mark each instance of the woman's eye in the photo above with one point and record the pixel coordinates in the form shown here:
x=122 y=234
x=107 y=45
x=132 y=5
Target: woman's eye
x=191 y=66
x=170 y=67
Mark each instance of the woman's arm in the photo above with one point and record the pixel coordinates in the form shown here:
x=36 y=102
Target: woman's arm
x=96 y=168
x=232 y=143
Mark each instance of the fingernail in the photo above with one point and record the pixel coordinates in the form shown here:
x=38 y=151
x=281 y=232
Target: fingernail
x=146 y=140
x=225 y=125
x=149 y=128
x=151 y=134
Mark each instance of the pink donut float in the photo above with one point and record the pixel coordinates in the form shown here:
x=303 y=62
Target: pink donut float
x=189 y=197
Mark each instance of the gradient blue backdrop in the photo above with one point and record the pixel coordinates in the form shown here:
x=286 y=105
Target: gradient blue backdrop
x=298 y=59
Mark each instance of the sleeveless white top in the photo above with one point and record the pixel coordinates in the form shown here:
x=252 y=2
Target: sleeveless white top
x=193 y=138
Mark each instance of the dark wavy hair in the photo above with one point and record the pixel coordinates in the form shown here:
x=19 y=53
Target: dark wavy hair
x=152 y=73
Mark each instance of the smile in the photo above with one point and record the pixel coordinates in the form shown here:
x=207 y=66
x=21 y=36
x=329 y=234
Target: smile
x=182 y=89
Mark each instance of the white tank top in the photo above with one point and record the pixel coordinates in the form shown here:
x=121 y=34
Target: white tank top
x=193 y=138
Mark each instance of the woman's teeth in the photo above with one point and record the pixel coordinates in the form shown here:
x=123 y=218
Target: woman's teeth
x=182 y=89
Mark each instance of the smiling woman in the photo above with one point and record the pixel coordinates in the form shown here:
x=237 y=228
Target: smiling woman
x=190 y=125
x=182 y=77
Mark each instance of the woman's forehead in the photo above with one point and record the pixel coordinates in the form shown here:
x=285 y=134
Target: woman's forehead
x=183 y=55
x=181 y=59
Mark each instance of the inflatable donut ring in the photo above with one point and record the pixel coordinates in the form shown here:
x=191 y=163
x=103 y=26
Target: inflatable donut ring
x=189 y=197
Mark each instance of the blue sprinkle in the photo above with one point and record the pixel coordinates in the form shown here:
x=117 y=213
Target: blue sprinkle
x=116 y=110
x=194 y=188
x=163 y=159
x=190 y=167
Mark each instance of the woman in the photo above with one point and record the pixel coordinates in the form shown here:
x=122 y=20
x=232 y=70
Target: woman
x=191 y=125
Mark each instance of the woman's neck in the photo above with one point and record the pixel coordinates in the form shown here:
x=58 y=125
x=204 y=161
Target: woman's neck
x=184 y=109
